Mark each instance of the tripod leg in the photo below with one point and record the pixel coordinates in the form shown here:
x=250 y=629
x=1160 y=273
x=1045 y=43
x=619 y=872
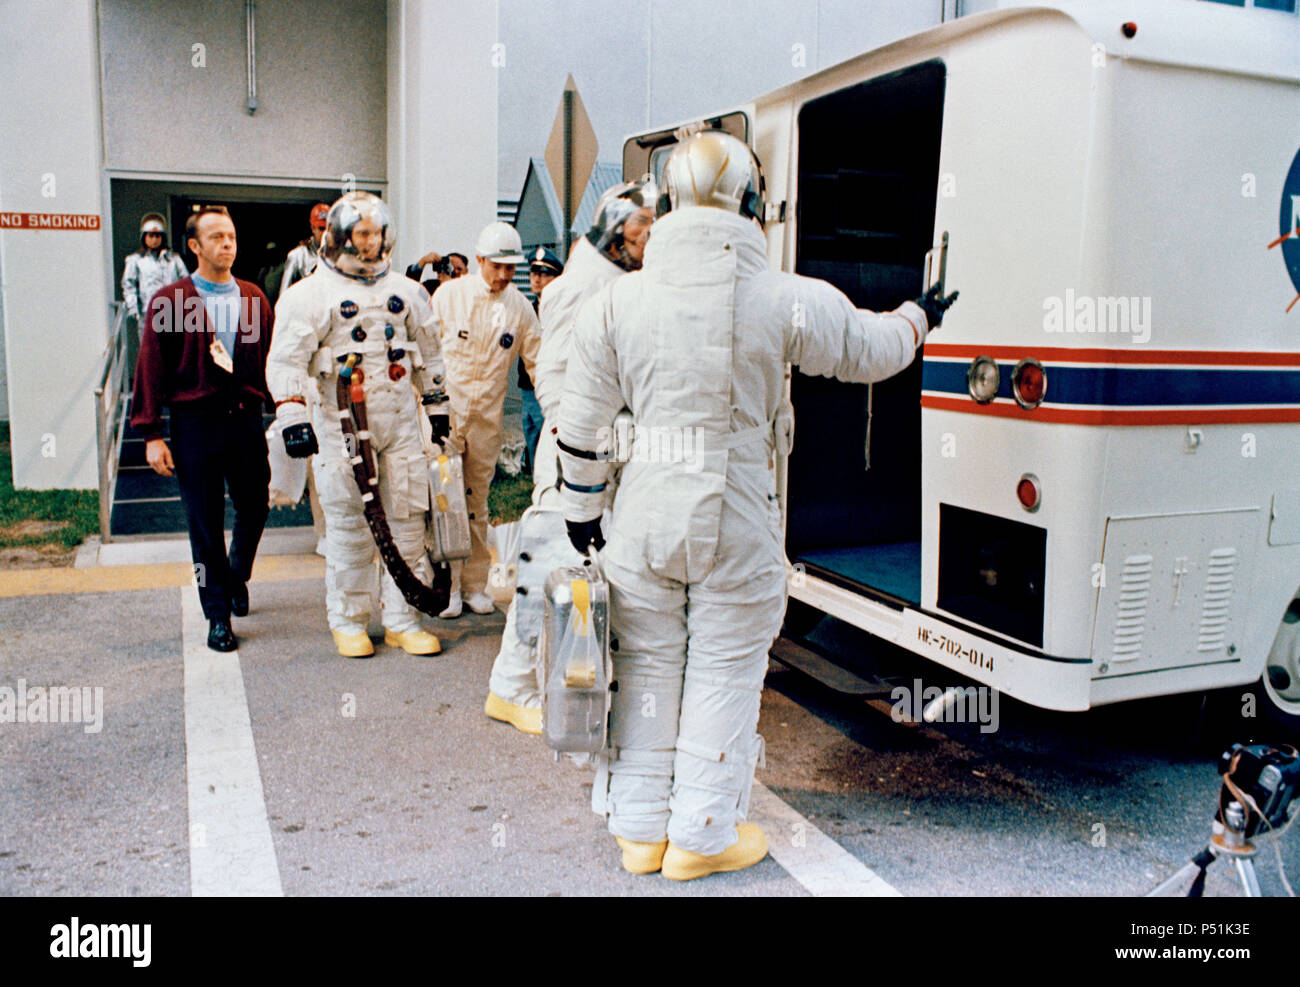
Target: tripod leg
x=1178 y=884
x=1246 y=871
x=1202 y=860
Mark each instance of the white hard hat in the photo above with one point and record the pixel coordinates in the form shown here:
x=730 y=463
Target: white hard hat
x=500 y=243
x=152 y=223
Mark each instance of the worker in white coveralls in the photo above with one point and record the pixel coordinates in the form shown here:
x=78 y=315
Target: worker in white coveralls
x=354 y=304
x=695 y=345
x=483 y=322
x=614 y=245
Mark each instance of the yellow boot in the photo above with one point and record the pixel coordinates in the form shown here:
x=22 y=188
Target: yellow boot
x=749 y=849
x=522 y=718
x=642 y=858
x=353 y=645
x=416 y=642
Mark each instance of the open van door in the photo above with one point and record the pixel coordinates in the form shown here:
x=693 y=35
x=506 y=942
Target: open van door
x=646 y=153
x=864 y=221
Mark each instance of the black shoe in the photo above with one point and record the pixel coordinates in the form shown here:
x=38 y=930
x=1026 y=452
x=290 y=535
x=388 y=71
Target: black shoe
x=220 y=636
x=239 y=599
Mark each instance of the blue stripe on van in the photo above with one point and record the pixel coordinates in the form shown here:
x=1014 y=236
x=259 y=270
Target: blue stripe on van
x=1110 y=386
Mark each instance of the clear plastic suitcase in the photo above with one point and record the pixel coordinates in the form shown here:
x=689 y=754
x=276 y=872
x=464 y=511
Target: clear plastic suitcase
x=575 y=663
x=447 y=533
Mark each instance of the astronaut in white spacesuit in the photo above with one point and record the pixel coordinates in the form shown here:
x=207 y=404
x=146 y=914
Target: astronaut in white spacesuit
x=698 y=341
x=355 y=307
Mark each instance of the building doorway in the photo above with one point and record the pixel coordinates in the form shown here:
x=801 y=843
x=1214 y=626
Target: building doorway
x=270 y=220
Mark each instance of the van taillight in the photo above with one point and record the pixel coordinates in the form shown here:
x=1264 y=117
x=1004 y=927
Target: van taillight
x=1029 y=383
x=1029 y=492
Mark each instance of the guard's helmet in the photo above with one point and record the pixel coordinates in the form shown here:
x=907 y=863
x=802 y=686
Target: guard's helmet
x=615 y=206
x=713 y=168
x=337 y=247
x=500 y=243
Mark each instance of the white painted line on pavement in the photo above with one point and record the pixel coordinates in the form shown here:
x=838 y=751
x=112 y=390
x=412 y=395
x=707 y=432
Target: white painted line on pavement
x=231 y=853
x=811 y=857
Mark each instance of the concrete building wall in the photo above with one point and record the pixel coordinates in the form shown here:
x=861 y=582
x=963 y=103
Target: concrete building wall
x=4 y=378
x=173 y=108
x=53 y=283
x=669 y=60
x=443 y=68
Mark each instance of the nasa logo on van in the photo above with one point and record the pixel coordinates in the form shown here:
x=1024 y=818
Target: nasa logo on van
x=1290 y=226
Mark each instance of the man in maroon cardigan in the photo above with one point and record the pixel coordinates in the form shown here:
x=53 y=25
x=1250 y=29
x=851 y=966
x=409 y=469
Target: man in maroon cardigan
x=203 y=353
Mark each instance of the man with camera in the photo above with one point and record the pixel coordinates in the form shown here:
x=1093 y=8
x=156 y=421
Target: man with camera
x=445 y=268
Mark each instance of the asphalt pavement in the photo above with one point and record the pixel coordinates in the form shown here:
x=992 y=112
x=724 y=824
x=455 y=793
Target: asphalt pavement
x=384 y=777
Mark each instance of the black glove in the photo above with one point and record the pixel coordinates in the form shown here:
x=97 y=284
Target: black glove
x=439 y=429
x=935 y=305
x=300 y=440
x=584 y=534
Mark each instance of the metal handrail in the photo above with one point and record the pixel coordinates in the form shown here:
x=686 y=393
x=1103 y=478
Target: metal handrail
x=109 y=415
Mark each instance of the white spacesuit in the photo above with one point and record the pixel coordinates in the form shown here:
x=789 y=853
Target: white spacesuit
x=513 y=695
x=354 y=304
x=588 y=270
x=150 y=267
x=696 y=345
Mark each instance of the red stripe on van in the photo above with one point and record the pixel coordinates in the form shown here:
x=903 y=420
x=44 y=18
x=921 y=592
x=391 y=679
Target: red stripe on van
x=1115 y=416
x=1066 y=354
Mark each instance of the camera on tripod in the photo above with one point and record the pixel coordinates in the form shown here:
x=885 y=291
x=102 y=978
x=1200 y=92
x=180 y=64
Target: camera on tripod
x=1267 y=776
x=1259 y=785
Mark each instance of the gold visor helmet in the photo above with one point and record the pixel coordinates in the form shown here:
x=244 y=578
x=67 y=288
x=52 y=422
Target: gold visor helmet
x=712 y=168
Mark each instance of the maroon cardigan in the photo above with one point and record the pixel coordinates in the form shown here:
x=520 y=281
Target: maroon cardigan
x=175 y=366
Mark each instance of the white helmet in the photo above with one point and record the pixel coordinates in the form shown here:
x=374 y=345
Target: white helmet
x=500 y=243
x=337 y=247
x=713 y=168
x=152 y=222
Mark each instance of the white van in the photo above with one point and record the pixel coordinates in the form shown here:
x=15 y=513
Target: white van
x=1087 y=487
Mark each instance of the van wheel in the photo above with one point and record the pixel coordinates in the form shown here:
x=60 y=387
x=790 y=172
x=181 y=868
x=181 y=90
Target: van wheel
x=1277 y=695
x=800 y=619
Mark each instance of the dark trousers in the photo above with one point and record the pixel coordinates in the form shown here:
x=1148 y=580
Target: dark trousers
x=220 y=446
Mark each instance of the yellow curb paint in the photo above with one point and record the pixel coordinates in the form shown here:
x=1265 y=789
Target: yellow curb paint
x=123 y=578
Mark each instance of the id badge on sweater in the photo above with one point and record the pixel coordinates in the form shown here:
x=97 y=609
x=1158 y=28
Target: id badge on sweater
x=220 y=357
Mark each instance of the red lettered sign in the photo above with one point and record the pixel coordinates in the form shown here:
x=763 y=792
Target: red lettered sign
x=48 y=221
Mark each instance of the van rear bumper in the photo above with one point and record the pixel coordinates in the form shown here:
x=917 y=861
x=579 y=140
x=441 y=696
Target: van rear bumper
x=1063 y=684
